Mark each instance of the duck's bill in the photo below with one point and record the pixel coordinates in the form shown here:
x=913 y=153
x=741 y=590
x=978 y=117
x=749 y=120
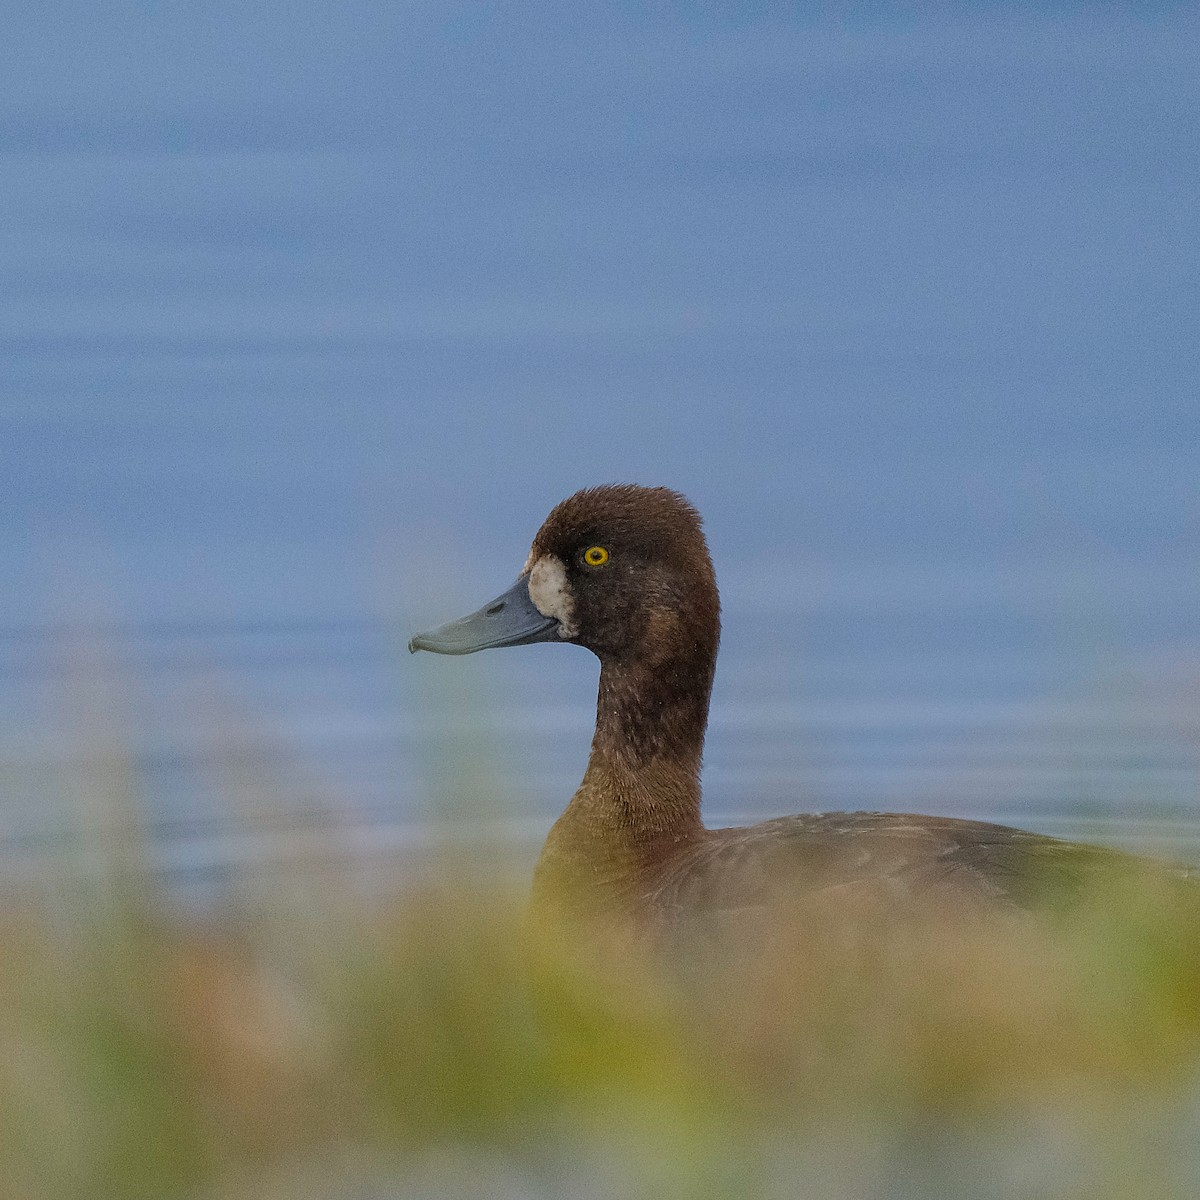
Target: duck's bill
x=509 y=620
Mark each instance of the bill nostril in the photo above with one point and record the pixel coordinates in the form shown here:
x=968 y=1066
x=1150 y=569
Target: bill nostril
x=495 y=608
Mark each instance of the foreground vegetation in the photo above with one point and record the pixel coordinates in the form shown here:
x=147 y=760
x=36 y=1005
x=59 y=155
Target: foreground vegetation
x=308 y=1042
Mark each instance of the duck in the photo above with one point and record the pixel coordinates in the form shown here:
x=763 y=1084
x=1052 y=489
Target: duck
x=624 y=571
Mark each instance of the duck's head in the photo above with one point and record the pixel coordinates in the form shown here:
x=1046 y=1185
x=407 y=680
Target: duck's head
x=623 y=570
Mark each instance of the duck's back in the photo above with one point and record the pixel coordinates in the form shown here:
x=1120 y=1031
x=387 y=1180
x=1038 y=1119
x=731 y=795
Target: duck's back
x=893 y=857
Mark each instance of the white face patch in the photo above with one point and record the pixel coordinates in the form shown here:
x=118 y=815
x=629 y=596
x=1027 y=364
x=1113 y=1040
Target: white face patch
x=551 y=593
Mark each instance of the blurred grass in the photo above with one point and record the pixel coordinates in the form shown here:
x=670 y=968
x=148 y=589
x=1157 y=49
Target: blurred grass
x=308 y=1037
x=439 y=1045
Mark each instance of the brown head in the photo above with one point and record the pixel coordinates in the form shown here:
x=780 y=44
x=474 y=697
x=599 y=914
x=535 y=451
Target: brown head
x=625 y=571
x=621 y=569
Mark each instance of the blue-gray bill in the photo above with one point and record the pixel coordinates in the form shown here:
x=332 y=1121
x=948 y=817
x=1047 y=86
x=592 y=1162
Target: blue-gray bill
x=509 y=620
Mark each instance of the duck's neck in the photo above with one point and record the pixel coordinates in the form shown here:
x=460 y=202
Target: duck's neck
x=639 y=801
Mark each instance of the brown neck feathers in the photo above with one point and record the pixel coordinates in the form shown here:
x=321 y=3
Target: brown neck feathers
x=639 y=802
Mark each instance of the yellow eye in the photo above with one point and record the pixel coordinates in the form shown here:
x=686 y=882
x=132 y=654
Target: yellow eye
x=595 y=556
